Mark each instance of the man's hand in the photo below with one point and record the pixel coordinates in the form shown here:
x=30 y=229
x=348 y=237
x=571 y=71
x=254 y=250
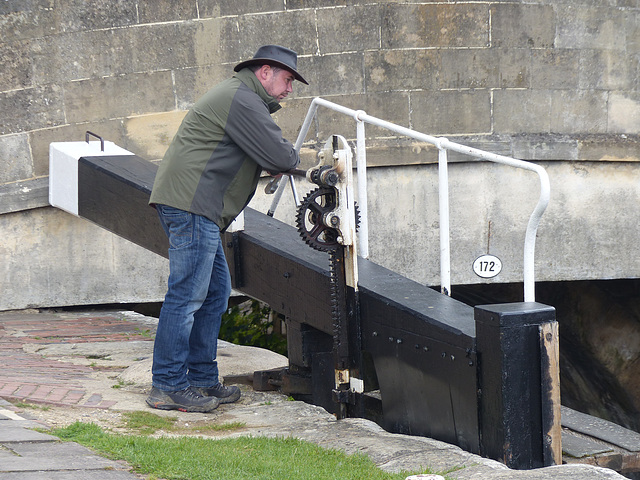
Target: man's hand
x=272 y=186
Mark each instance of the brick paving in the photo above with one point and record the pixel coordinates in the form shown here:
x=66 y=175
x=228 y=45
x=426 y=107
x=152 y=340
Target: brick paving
x=30 y=377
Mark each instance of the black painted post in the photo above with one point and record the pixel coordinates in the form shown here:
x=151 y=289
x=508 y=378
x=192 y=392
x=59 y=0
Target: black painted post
x=518 y=384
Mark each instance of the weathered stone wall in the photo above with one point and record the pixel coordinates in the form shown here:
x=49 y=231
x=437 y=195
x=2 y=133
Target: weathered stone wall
x=546 y=80
x=559 y=75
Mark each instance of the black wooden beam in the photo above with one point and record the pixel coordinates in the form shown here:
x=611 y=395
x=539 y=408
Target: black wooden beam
x=113 y=192
x=269 y=262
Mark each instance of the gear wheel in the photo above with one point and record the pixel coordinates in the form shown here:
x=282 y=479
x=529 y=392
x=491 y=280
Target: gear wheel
x=309 y=217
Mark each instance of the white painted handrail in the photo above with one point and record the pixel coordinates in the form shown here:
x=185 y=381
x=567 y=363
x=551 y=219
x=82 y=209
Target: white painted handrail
x=443 y=146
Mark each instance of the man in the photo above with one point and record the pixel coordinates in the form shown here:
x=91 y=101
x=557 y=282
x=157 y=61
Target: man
x=208 y=175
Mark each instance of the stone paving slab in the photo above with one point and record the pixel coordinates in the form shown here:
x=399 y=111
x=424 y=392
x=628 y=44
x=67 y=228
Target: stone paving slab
x=73 y=475
x=15 y=432
x=52 y=455
x=26 y=454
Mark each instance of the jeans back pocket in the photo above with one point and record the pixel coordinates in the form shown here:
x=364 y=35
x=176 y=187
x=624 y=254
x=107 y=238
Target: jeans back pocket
x=178 y=224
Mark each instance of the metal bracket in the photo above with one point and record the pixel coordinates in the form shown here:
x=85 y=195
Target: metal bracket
x=88 y=134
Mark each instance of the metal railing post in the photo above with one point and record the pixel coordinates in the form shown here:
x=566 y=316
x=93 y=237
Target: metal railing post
x=443 y=205
x=361 y=162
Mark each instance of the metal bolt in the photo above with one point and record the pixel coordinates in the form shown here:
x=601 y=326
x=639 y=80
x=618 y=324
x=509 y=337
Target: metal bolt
x=332 y=179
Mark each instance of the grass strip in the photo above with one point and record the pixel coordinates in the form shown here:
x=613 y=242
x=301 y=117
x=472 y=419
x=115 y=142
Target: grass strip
x=182 y=458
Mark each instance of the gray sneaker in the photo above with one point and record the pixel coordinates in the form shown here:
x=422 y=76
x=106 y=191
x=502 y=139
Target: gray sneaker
x=187 y=400
x=223 y=394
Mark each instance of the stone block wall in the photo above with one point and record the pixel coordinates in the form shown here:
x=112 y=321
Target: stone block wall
x=544 y=80
x=479 y=71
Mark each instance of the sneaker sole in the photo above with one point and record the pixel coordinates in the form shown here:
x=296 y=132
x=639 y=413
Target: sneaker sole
x=173 y=406
x=230 y=398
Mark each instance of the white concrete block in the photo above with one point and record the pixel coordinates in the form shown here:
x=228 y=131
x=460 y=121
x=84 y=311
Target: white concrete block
x=63 y=169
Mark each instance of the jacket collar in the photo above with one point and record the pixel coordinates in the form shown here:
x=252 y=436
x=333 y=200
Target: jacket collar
x=247 y=77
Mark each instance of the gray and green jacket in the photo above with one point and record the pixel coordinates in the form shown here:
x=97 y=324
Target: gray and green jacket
x=213 y=164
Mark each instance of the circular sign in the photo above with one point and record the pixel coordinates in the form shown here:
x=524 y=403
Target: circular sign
x=487 y=266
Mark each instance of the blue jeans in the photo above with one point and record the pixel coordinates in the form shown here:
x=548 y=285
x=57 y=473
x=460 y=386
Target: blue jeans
x=199 y=286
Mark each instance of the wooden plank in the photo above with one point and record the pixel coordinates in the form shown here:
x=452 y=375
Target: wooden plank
x=579 y=447
x=551 y=408
x=24 y=195
x=585 y=450
x=601 y=429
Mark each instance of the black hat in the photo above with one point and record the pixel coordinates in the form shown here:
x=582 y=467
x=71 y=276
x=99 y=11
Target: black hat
x=277 y=56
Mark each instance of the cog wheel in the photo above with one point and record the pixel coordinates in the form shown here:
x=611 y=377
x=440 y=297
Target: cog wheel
x=312 y=209
x=309 y=217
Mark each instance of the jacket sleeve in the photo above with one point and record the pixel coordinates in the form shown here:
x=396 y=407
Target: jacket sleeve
x=251 y=127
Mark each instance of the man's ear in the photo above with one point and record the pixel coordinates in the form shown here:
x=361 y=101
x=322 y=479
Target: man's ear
x=263 y=72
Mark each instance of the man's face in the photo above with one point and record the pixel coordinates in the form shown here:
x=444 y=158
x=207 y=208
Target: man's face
x=278 y=83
